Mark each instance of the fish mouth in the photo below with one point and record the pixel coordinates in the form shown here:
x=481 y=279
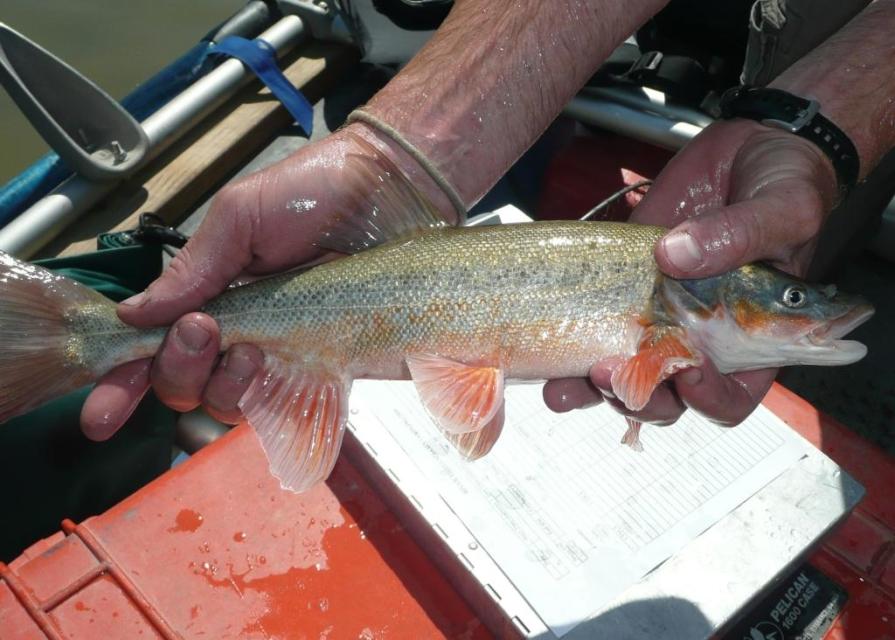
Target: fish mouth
x=822 y=345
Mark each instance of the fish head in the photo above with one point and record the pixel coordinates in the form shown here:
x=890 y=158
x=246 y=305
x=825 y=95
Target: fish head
x=758 y=317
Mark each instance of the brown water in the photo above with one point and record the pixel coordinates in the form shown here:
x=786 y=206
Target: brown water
x=115 y=43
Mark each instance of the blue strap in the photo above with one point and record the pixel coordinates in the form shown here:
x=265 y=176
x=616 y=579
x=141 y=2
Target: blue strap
x=260 y=56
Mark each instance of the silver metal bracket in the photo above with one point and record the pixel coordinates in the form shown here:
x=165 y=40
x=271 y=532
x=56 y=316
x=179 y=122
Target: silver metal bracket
x=320 y=18
x=89 y=130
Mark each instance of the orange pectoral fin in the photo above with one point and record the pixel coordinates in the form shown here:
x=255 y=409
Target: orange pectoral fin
x=300 y=419
x=459 y=398
x=662 y=352
x=632 y=435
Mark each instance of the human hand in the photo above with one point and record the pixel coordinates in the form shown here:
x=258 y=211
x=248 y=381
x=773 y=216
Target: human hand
x=738 y=193
x=265 y=223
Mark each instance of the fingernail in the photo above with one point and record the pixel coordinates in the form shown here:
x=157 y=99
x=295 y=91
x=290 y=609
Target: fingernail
x=192 y=336
x=682 y=251
x=607 y=393
x=690 y=377
x=239 y=366
x=135 y=301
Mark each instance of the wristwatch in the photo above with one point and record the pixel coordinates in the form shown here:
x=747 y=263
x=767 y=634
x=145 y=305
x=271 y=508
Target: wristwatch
x=777 y=108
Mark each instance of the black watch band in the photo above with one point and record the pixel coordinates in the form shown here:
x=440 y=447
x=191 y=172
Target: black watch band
x=777 y=108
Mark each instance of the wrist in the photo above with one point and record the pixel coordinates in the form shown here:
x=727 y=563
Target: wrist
x=408 y=165
x=801 y=117
x=852 y=76
x=837 y=111
x=770 y=155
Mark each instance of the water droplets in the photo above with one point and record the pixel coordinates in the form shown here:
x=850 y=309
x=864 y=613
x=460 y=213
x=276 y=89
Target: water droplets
x=187 y=520
x=208 y=569
x=301 y=205
x=721 y=241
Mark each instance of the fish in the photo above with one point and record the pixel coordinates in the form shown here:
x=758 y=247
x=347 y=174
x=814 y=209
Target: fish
x=460 y=311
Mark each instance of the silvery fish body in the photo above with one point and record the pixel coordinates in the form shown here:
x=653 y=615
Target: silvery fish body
x=538 y=300
x=458 y=310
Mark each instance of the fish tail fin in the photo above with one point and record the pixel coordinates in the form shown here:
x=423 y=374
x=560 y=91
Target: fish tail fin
x=40 y=357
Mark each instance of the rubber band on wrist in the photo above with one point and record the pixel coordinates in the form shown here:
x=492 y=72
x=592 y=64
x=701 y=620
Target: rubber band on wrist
x=359 y=115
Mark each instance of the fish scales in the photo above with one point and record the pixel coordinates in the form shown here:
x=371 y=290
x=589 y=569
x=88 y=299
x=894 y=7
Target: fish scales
x=538 y=300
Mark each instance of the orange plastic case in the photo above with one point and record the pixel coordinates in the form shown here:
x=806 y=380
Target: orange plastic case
x=215 y=549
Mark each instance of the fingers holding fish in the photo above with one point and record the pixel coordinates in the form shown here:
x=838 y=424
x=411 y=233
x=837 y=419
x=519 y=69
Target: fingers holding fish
x=722 y=240
x=214 y=256
x=741 y=192
x=185 y=361
x=726 y=400
x=567 y=394
x=230 y=380
x=664 y=406
x=114 y=399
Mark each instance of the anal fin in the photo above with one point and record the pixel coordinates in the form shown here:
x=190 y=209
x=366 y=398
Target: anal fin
x=299 y=417
x=460 y=398
x=476 y=444
x=663 y=351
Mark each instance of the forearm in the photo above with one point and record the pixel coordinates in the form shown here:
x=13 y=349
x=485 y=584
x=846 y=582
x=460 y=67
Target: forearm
x=852 y=75
x=495 y=75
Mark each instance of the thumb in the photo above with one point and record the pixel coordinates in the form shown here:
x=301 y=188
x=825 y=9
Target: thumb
x=772 y=226
x=203 y=268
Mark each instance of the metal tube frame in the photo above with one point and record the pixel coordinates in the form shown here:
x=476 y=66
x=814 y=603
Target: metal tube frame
x=45 y=219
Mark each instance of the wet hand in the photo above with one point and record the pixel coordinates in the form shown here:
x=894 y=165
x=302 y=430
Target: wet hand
x=740 y=192
x=265 y=223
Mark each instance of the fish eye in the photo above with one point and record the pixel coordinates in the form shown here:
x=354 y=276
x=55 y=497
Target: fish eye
x=794 y=296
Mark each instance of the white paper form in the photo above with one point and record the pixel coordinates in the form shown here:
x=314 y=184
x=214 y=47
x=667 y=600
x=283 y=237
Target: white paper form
x=571 y=516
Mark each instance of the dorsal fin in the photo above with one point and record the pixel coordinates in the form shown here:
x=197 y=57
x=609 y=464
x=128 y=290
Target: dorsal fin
x=388 y=208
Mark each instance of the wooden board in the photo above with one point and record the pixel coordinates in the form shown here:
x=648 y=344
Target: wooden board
x=173 y=183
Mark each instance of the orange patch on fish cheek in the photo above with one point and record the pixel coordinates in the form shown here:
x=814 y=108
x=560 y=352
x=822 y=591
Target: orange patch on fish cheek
x=751 y=317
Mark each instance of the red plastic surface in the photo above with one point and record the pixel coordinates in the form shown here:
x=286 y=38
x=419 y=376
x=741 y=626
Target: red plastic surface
x=860 y=554
x=594 y=167
x=215 y=549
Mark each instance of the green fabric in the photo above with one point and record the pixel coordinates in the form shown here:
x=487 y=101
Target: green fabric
x=48 y=469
